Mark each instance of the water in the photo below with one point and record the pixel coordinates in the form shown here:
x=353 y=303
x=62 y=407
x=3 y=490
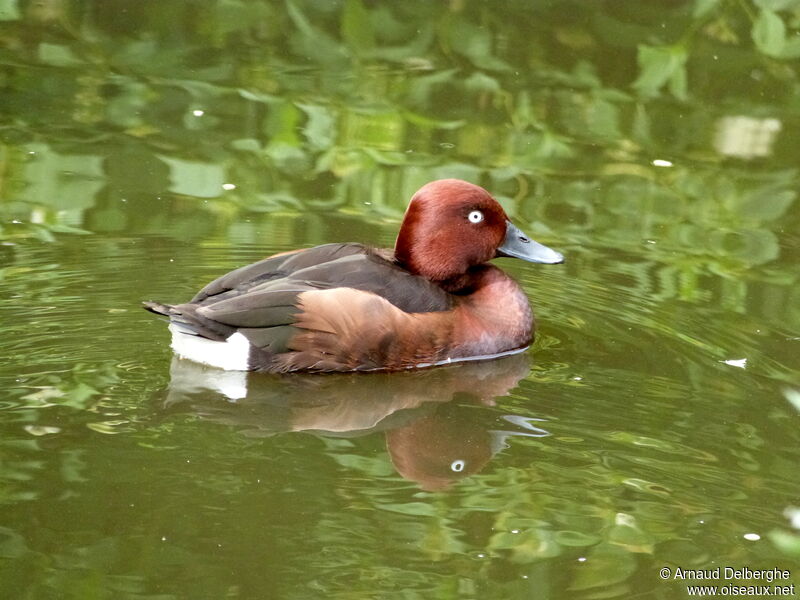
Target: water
x=146 y=149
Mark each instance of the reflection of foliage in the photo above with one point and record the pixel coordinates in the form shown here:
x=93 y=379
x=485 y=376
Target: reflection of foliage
x=309 y=107
x=21 y=459
x=508 y=97
x=76 y=389
x=96 y=570
x=18 y=464
x=788 y=543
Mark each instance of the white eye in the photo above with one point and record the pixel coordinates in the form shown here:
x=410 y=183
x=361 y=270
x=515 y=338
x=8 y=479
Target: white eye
x=458 y=465
x=475 y=216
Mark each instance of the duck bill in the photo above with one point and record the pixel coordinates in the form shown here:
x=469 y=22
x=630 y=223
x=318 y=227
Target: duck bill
x=518 y=245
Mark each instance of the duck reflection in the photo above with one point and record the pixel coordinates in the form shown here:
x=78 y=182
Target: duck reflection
x=434 y=434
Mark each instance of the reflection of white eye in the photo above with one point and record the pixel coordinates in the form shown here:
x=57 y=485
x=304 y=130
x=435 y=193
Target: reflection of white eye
x=475 y=216
x=458 y=465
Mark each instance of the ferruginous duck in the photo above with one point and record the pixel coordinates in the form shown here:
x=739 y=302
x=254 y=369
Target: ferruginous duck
x=432 y=300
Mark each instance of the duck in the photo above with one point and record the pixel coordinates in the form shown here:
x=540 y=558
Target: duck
x=433 y=299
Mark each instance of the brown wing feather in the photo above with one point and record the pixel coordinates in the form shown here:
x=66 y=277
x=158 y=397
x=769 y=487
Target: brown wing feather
x=345 y=329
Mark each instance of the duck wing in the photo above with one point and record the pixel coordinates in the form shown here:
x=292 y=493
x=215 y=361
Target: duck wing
x=264 y=301
x=277 y=266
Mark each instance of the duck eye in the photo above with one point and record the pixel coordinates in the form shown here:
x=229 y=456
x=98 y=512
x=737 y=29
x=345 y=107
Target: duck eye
x=475 y=216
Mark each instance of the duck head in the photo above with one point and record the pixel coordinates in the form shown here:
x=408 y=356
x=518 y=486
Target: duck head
x=451 y=225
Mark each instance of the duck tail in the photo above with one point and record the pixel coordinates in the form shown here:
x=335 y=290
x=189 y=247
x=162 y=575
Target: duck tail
x=185 y=318
x=158 y=308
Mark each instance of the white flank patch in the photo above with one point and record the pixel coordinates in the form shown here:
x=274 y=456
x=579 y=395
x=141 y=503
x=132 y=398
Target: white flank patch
x=231 y=355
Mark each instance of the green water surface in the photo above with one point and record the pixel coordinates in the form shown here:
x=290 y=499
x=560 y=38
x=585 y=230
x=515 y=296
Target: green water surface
x=148 y=147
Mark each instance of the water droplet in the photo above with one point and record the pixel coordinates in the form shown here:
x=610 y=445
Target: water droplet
x=660 y=162
x=753 y=537
x=198 y=113
x=228 y=186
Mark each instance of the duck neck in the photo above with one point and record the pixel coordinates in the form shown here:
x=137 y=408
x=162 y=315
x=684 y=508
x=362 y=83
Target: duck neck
x=464 y=283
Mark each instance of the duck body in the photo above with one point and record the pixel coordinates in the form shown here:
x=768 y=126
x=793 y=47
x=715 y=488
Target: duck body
x=348 y=307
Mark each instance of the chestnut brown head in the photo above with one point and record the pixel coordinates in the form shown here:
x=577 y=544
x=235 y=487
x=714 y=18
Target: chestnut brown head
x=451 y=225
